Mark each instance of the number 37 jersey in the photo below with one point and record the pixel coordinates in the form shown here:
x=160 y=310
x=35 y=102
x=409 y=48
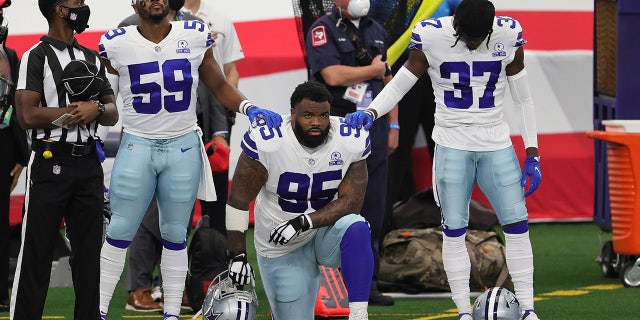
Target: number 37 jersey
x=158 y=81
x=468 y=85
x=301 y=180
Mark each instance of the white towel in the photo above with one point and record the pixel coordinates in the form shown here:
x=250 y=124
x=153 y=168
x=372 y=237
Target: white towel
x=206 y=188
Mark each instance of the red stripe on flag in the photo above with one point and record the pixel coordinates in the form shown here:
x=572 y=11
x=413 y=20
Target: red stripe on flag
x=272 y=46
x=269 y=46
x=555 y=30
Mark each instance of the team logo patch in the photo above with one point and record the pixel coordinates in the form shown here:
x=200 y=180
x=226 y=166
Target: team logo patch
x=319 y=36
x=311 y=162
x=130 y=146
x=498 y=50
x=336 y=159
x=183 y=47
x=57 y=169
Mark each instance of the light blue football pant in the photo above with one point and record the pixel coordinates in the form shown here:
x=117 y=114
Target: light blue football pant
x=291 y=281
x=169 y=168
x=498 y=175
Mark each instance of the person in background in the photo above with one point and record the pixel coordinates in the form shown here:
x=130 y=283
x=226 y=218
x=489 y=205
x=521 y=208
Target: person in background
x=479 y=55
x=415 y=109
x=146 y=247
x=308 y=177
x=346 y=51
x=13 y=140
x=227 y=51
x=63 y=158
x=156 y=66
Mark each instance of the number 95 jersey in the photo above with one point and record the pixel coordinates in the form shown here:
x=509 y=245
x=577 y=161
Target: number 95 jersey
x=469 y=85
x=301 y=180
x=158 y=81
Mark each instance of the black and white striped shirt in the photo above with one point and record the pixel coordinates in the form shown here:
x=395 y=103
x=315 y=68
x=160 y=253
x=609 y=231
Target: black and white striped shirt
x=41 y=71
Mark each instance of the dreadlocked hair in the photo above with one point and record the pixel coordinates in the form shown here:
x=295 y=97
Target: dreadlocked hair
x=474 y=18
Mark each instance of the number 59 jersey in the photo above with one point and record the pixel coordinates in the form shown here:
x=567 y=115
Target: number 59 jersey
x=469 y=85
x=158 y=81
x=301 y=180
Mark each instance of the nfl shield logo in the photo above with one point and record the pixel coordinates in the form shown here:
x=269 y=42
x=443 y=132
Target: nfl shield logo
x=56 y=169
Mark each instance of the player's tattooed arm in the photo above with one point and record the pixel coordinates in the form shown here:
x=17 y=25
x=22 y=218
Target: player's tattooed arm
x=249 y=177
x=350 y=196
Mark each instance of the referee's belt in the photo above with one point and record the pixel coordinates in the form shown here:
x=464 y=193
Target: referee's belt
x=58 y=148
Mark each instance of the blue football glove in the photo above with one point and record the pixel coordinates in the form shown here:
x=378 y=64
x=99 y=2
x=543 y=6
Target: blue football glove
x=359 y=119
x=531 y=170
x=270 y=118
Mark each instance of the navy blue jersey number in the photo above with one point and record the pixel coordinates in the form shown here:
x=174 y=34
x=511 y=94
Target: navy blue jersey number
x=298 y=191
x=152 y=91
x=463 y=86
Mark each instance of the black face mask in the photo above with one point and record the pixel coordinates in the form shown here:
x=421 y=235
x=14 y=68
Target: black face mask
x=78 y=18
x=176 y=4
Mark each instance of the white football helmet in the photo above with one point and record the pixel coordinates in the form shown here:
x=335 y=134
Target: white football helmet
x=496 y=304
x=224 y=301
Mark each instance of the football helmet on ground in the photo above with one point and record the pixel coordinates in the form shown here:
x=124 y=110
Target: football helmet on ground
x=224 y=301
x=496 y=304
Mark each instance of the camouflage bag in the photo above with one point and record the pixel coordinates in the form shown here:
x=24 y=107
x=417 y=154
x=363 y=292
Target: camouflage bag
x=411 y=260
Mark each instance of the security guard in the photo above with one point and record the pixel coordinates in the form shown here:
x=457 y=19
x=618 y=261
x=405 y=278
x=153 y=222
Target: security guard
x=346 y=51
x=65 y=176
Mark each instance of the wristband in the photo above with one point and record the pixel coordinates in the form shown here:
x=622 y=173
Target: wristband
x=244 y=105
x=393 y=125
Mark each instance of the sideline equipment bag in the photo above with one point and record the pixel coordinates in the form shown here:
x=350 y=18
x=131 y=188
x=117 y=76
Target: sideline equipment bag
x=412 y=260
x=207 y=254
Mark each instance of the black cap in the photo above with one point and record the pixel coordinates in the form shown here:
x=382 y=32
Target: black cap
x=80 y=79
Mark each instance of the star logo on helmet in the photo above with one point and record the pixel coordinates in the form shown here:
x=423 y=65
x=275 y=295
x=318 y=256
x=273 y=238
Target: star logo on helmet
x=214 y=316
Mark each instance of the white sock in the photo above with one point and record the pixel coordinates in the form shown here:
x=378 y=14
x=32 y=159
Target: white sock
x=358 y=310
x=173 y=266
x=520 y=264
x=458 y=269
x=111 y=265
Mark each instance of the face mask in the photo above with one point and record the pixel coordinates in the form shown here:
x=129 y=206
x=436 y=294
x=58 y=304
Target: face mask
x=176 y=4
x=78 y=18
x=358 y=8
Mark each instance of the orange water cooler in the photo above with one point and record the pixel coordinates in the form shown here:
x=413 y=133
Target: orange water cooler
x=623 y=168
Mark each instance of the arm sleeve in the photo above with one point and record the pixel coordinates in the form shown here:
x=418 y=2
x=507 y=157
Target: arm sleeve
x=393 y=92
x=526 y=117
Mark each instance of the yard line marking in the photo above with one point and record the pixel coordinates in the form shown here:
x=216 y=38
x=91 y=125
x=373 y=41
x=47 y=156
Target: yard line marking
x=453 y=313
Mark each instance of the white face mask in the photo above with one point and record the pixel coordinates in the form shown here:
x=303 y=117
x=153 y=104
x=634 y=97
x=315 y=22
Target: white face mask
x=358 y=8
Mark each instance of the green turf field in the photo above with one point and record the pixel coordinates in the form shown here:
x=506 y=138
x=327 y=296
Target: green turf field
x=568 y=285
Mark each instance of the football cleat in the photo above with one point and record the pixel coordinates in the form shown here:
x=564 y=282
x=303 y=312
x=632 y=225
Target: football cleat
x=529 y=315
x=170 y=317
x=465 y=316
x=103 y=316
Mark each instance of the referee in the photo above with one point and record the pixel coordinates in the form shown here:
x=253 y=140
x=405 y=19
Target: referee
x=64 y=175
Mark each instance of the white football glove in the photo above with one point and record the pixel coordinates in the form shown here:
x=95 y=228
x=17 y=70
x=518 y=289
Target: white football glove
x=284 y=232
x=240 y=270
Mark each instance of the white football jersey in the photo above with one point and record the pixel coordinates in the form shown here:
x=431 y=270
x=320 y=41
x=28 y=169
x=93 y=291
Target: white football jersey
x=158 y=81
x=469 y=85
x=301 y=180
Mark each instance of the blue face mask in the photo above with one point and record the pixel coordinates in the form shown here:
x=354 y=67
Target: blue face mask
x=78 y=18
